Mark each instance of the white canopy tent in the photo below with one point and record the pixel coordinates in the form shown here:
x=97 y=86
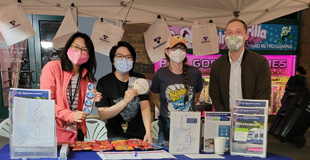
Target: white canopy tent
x=177 y=12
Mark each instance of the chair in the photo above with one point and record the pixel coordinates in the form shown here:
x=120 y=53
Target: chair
x=5 y=128
x=96 y=130
x=155 y=129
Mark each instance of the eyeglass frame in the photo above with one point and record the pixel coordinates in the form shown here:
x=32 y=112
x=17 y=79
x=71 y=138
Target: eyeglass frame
x=181 y=47
x=123 y=56
x=83 y=50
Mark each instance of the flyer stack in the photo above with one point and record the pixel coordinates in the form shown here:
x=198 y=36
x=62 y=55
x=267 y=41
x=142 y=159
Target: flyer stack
x=32 y=127
x=249 y=128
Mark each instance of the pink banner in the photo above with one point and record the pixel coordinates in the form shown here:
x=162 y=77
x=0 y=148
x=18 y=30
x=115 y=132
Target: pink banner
x=280 y=65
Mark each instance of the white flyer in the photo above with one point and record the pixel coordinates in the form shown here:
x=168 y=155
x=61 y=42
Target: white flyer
x=34 y=122
x=249 y=128
x=217 y=124
x=184 y=132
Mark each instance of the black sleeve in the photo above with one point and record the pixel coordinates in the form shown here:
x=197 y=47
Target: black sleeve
x=289 y=82
x=105 y=101
x=214 y=88
x=155 y=83
x=144 y=97
x=199 y=81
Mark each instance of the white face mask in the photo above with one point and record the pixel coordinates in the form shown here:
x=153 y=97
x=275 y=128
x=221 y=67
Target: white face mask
x=177 y=56
x=234 y=43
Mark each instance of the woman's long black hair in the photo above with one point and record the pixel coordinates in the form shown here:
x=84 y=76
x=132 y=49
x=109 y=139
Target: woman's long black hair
x=90 y=65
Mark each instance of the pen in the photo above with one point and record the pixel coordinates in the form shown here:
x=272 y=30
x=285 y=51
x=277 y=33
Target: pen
x=136 y=153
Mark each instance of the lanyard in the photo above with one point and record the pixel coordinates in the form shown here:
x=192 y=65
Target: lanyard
x=72 y=97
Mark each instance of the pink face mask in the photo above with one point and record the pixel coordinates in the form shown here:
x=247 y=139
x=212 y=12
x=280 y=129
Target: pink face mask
x=77 y=58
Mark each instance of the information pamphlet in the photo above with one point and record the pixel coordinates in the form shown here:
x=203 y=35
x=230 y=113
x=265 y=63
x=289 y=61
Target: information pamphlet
x=32 y=127
x=28 y=93
x=184 y=132
x=217 y=124
x=33 y=119
x=249 y=128
x=251 y=103
x=250 y=110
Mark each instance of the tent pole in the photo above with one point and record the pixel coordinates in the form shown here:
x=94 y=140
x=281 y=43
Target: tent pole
x=76 y=12
x=128 y=11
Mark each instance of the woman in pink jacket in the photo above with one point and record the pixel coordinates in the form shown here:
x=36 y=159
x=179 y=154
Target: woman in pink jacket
x=67 y=79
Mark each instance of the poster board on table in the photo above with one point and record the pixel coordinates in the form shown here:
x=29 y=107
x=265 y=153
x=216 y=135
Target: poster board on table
x=217 y=124
x=249 y=128
x=184 y=135
x=32 y=127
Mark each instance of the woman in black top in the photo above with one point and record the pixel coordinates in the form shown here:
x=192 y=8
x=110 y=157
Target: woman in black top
x=127 y=114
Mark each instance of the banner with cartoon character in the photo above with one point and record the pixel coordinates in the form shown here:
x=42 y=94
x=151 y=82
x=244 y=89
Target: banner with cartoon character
x=184 y=32
x=267 y=37
x=261 y=37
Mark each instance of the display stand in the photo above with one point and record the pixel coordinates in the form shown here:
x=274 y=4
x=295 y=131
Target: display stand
x=32 y=128
x=249 y=128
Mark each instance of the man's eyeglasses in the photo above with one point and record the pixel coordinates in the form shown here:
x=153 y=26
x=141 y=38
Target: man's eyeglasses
x=120 y=56
x=178 y=47
x=76 y=48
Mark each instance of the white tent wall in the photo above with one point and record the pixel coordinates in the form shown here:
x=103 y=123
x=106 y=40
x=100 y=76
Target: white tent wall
x=177 y=12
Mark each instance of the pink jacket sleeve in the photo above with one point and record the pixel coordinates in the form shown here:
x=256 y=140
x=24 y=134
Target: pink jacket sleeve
x=50 y=79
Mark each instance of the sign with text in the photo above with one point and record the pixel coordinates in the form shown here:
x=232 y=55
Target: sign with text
x=280 y=65
x=261 y=36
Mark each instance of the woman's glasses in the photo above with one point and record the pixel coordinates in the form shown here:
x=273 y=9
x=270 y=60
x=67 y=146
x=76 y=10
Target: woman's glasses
x=76 y=48
x=178 y=47
x=121 y=56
